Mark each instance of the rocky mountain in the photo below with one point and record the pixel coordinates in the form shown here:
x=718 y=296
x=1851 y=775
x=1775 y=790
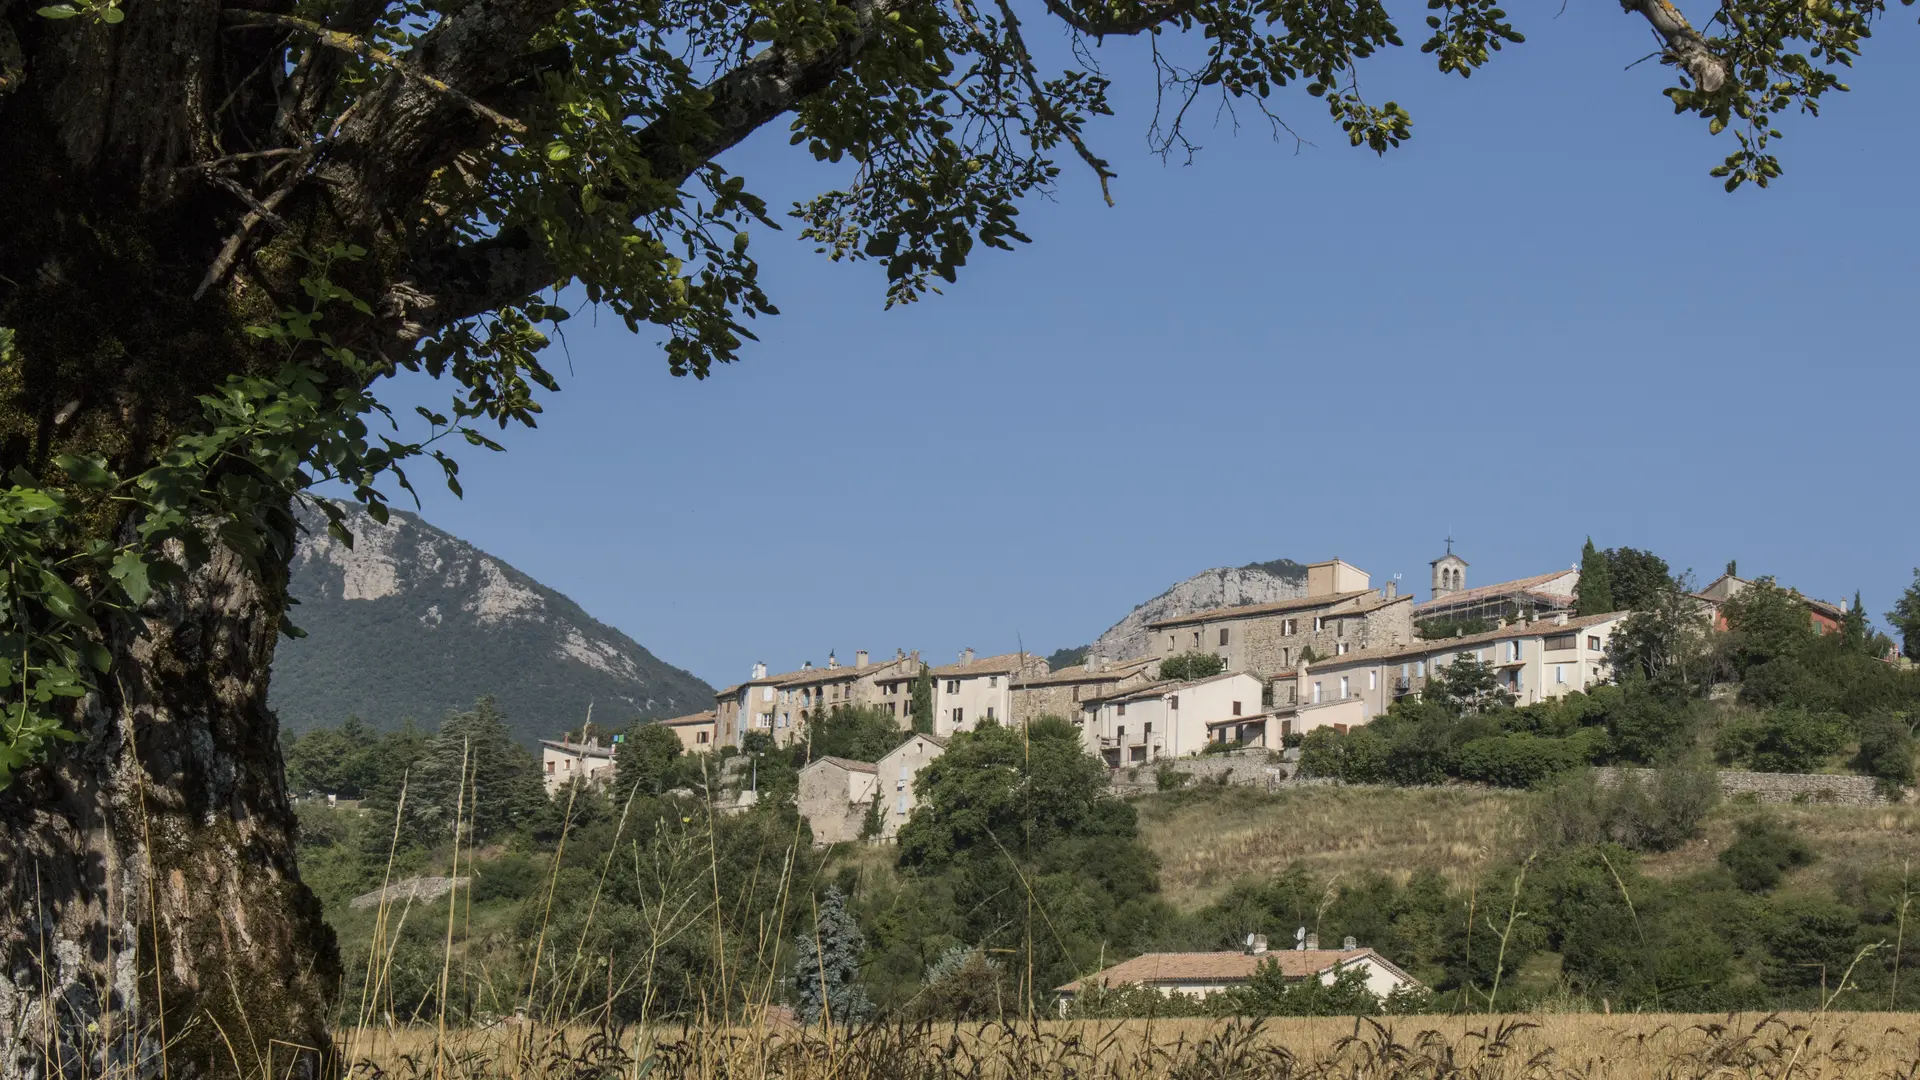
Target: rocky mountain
x=412 y=621
x=1227 y=586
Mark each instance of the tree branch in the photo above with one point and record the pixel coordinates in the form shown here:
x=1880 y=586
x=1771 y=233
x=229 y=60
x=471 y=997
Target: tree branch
x=1687 y=48
x=469 y=279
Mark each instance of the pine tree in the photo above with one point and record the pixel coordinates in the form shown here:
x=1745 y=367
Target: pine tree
x=1595 y=591
x=1905 y=617
x=643 y=760
x=923 y=701
x=826 y=966
x=503 y=787
x=1855 y=634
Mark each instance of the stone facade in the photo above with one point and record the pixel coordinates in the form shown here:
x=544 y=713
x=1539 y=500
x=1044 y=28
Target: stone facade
x=1341 y=613
x=1066 y=692
x=833 y=796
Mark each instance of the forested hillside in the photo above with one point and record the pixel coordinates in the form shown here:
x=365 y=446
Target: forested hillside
x=411 y=622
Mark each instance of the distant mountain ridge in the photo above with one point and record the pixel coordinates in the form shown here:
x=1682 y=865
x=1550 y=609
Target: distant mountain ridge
x=1225 y=586
x=412 y=621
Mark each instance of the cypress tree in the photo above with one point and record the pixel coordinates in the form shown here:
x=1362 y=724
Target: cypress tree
x=1854 y=632
x=923 y=701
x=826 y=966
x=1595 y=591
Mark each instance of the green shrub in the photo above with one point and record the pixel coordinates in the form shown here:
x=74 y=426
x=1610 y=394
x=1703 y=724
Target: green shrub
x=1886 y=750
x=1782 y=740
x=1168 y=778
x=1521 y=761
x=1193 y=665
x=1762 y=854
x=510 y=877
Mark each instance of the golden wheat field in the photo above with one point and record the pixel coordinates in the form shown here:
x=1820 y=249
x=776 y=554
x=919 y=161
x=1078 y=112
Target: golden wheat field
x=1559 y=1047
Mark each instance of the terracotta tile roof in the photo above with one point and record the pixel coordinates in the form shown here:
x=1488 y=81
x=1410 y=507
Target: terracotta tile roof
x=809 y=676
x=1539 y=628
x=1523 y=586
x=1004 y=664
x=1165 y=686
x=846 y=763
x=1249 y=611
x=707 y=717
x=1079 y=673
x=1224 y=967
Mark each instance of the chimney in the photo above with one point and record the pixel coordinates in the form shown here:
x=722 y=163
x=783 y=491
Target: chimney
x=760 y=670
x=966 y=655
x=1393 y=589
x=808 y=666
x=832 y=661
x=1349 y=944
x=899 y=654
x=860 y=658
x=1560 y=619
x=1313 y=942
x=914 y=656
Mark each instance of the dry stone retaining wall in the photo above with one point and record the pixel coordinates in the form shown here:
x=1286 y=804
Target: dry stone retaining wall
x=1783 y=787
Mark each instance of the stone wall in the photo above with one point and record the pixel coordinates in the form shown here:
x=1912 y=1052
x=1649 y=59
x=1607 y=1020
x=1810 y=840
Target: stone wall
x=1764 y=787
x=1247 y=768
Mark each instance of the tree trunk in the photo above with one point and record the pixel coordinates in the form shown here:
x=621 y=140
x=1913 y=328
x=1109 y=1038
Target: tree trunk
x=149 y=903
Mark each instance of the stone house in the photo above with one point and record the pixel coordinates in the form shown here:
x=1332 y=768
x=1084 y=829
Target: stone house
x=865 y=684
x=898 y=772
x=833 y=796
x=1060 y=693
x=1203 y=974
x=973 y=690
x=1534 y=661
x=696 y=732
x=779 y=705
x=1163 y=719
x=568 y=760
x=1340 y=613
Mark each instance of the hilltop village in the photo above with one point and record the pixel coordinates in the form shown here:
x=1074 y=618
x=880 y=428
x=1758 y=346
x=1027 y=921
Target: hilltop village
x=1255 y=677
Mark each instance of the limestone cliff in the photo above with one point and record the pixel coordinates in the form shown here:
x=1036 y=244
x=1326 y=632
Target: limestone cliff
x=412 y=621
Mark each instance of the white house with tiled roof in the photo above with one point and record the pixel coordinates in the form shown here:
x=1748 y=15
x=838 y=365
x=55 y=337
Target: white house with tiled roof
x=977 y=689
x=1165 y=719
x=1534 y=661
x=575 y=759
x=898 y=772
x=1201 y=974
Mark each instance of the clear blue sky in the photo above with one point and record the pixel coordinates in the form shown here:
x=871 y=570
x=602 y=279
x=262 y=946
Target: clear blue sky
x=1539 y=319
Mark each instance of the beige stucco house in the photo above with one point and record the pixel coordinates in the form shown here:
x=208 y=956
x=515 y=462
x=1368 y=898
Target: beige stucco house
x=1534 y=661
x=1204 y=974
x=1340 y=613
x=974 y=690
x=833 y=796
x=569 y=760
x=1160 y=719
x=696 y=732
x=898 y=774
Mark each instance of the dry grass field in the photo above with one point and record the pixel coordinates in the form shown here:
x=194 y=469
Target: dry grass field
x=1207 y=838
x=1881 y=1046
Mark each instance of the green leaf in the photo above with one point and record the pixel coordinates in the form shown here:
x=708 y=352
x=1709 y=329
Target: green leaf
x=87 y=471
x=130 y=570
x=558 y=152
x=112 y=15
x=63 y=601
x=59 y=11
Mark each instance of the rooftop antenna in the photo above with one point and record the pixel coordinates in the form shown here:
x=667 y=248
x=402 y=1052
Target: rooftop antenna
x=1300 y=938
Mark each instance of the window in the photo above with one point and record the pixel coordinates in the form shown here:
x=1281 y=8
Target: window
x=1173 y=702
x=993 y=681
x=1420 y=669
x=1343 y=688
x=1316 y=693
x=1319 y=623
x=1593 y=643
x=1404 y=670
x=1223 y=635
x=1196 y=639
x=989 y=712
x=900 y=807
x=702 y=737
x=766 y=693
x=1146 y=729
x=1518 y=650
x=1286 y=657
x=1236 y=708
x=1120 y=709
x=1120 y=732
x=957 y=714
x=1559 y=673
x=1171 y=644
x=566 y=766
x=1290 y=627
x=549 y=768
x=1561 y=641
x=1342 y=648
x=1373 y=680
x=953 y=686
